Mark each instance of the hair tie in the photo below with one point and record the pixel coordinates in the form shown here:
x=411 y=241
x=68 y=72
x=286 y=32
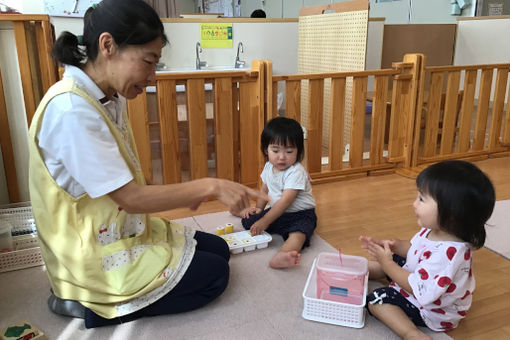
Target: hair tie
x=80 y=39
x=94 y=6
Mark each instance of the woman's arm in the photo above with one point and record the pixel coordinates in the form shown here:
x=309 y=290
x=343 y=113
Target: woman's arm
x=136 y=198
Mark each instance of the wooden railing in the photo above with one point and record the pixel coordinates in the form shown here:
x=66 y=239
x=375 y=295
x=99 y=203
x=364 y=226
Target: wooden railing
x=404 y=82
x=34 y=39
x=461 y=119
x=238 y=121
x=413 y=121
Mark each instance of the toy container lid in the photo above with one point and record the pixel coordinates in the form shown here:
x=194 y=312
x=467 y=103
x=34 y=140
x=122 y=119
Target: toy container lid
x=355 y=265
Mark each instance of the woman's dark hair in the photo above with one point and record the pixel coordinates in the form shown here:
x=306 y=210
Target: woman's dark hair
x=465 y=198
x=130 y=22
x=283 y=131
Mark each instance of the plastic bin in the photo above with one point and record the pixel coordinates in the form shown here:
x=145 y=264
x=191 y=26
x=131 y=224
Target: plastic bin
x=328 y=311
x=243 y=241
x=26 y=252
x=341 y=281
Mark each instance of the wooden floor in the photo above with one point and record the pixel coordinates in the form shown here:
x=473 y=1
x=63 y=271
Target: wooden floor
x=381 y=206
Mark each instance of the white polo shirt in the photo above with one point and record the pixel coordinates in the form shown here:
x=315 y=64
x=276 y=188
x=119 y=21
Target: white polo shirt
x=76 y=143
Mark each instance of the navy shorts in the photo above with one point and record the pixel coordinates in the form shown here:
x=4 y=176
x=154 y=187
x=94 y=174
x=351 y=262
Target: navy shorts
x=303 y=221
x=389 y=295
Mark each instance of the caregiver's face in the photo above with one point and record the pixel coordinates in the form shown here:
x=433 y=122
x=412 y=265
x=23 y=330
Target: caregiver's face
x=135 y=68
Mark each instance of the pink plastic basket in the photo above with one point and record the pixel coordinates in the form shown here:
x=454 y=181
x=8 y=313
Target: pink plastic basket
x=334 y=312
x=341 y=281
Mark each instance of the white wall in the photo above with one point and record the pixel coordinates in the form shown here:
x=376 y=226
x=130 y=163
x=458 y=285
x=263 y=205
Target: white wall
x=395 y=12
x=483 y=41
x=15 y=108
x=276 y=41
x=37 y=6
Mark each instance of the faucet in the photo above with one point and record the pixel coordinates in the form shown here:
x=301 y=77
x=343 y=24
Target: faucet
x=199 y=64
x=239 y=63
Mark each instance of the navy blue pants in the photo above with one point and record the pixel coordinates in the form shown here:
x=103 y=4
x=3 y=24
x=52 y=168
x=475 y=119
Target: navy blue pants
x=303 y=221
x=206 y=278
x=393 y=297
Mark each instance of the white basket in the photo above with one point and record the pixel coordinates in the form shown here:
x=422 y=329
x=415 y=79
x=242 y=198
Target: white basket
x=27 y=252
x=332 y=312
x=20 y=216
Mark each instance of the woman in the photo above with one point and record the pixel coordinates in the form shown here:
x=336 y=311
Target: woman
x=88 y=194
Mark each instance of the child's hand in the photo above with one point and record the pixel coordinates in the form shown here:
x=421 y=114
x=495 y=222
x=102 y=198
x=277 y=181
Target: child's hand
x=250 y=211
x=366 y=240
x=380 y=253
x=257 y=228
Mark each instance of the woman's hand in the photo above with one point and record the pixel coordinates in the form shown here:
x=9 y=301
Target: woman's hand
x=250 y=211
x=234 y=195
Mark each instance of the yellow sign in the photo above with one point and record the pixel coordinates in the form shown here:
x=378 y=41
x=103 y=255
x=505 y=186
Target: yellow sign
x=216 y=35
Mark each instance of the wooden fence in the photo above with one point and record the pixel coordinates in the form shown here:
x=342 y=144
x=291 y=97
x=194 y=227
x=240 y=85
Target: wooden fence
x=462 y=118
x=413 y=120
x=238 y=121
x=418 y=115
x=34 y=37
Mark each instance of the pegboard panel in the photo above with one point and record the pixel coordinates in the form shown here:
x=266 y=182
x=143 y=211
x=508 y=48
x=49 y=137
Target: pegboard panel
x=332 y=42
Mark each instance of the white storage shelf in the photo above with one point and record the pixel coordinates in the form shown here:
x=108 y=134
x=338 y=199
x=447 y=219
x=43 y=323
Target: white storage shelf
x=26 y=251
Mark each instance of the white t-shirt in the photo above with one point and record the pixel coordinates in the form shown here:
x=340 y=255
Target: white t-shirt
x=76 y=144
x=441 y=279
x=294 y=177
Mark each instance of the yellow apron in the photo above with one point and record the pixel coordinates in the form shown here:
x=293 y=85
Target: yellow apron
x=112 y=262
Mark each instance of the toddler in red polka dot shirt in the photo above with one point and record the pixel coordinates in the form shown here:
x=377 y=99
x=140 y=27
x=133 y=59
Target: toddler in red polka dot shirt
x=431 y=275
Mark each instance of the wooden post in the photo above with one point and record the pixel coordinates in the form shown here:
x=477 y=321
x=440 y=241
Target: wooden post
x=466 y=111
x=293 y=99
x=27 y=80
x=450 y=113
x=359 y=98
x=167 y=110
x=497 y=109
x=378 y=128
x=336 y=124
x=432 y=115
x=139 y=117
x=251 y=123
x=268 y=91
x=224 y=127
x=482 y=112
x=47 y=65
x=197 y=128
x=314 y=131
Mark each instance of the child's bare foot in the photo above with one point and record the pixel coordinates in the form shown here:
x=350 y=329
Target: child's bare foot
x=285 y=259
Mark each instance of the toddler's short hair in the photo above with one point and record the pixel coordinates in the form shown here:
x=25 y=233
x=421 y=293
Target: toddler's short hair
x=283 y=131
x=465 y=198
